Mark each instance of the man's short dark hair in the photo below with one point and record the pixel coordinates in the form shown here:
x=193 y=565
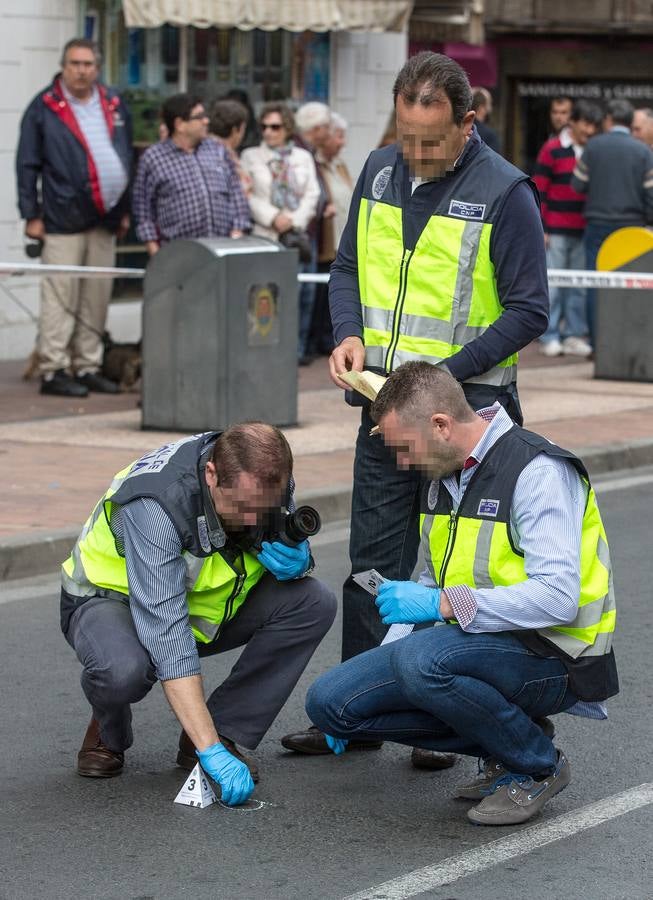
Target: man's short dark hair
x=179 y=106
x=227 y=115
x=561 y=98
x=621 y=112
x=259 y=449
x=425 y=76
x=84 y=44
x=587 y=112
x=479 y=99
x=416 y=390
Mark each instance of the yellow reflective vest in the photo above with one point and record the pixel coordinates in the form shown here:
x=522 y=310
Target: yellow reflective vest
x=424 y=296
x=473 y=546
x=218 y=576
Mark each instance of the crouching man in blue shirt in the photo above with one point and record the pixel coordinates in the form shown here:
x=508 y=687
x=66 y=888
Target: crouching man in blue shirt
x=519 y=582
x=186 y=555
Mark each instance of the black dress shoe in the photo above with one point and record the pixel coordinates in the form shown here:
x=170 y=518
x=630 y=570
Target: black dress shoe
x=187 y=758
x=431 y=759
x=313 y=743
x=93 y=381
x=63 y=385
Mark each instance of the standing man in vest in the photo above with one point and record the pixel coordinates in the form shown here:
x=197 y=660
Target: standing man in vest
x=75 y=145
x=517 y=570
x=183 y=557
x=443 y=260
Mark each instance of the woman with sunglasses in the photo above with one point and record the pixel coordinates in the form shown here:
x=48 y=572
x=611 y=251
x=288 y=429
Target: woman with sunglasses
x=285 y=189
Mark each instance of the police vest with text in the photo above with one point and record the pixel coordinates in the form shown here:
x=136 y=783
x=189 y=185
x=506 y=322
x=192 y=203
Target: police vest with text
x=426 y=301
x=473 y=546
x=218 y=578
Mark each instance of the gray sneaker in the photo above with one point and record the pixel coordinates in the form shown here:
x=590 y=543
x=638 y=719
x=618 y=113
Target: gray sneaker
x=522 y=798
x=491 y=769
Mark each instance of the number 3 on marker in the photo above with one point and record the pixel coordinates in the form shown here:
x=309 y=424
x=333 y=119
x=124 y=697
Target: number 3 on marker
x=191 y=784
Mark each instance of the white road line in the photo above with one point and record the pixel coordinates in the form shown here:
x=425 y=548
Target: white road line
x=472 y=861
x=622 y=484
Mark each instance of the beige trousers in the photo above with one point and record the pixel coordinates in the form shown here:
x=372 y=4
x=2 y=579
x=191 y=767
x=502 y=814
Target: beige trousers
x=65 y=341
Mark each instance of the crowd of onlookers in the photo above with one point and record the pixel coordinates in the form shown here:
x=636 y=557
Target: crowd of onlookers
x=221 y=171
x=594 y=175
x=216 y=171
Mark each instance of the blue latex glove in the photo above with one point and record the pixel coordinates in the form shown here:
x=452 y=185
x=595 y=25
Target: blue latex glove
x=407 y=601
x=285 y=562
x=338 y=745
x=231 y=774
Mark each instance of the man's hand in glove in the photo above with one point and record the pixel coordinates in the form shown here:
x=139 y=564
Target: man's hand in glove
x=409 y=602
x=230 y=773
x=285 y=562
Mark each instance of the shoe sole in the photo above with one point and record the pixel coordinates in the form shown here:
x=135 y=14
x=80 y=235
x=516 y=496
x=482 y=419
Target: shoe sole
x=94 y=773
x=301 y=748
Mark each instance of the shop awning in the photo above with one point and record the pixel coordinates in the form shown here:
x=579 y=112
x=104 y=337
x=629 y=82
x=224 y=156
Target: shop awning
x=293 y=15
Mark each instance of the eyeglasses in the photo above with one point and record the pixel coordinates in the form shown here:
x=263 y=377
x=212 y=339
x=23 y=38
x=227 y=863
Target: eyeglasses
x=198 y=117
x=271 y=126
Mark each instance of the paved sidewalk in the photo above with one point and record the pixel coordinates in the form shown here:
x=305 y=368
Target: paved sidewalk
x=60 y=455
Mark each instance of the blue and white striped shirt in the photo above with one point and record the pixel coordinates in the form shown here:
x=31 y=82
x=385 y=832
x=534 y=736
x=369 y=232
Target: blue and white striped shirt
x=546 y=521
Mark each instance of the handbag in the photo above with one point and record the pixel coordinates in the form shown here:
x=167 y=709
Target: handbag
x=300 y=241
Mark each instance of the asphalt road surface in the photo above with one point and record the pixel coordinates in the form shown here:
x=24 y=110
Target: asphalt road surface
x=365 y=825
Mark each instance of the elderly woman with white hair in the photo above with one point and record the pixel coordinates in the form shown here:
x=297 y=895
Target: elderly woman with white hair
x=339 y=187
x=284 y=196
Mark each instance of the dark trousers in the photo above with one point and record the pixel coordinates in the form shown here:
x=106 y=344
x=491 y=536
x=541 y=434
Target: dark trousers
x=280 y=625
x=385 y=522
x=595 y=234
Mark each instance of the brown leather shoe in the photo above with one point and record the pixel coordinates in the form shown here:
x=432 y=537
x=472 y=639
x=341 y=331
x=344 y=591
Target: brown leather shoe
x=94 y=760
x=431 y=759
x=313 y=742
x=187 y=758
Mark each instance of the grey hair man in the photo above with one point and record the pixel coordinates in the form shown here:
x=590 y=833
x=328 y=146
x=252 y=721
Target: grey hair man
x=642 y=125
x=74 y=163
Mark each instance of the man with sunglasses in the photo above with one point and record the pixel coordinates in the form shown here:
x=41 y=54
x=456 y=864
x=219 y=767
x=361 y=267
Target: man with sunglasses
x=186 y=186
x=182 y=558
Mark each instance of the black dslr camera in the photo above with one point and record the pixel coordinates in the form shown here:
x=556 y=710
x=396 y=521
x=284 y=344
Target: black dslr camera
x=289 y=528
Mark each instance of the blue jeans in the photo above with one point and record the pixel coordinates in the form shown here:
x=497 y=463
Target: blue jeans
x=443 y=689
x=566 y=251
x=595 y=234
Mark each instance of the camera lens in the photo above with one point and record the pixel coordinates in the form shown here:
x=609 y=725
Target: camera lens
x=302 y=524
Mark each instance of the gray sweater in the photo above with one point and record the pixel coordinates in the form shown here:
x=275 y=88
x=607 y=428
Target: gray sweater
x=616 y=173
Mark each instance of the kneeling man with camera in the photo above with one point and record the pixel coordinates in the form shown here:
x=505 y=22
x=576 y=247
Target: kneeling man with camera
x=195 y=549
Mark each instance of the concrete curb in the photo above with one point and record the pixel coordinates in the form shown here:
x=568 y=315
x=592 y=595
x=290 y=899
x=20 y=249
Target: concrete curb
x=24 y=556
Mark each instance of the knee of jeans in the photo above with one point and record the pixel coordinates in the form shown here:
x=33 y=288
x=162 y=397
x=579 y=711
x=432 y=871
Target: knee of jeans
x=322 y=705
x=124 y=681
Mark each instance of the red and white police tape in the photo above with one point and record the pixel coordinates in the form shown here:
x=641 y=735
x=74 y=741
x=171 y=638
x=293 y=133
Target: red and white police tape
x=642 y=281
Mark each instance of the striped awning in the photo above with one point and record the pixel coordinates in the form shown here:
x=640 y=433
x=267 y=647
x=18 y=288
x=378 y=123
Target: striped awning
x=292 y=15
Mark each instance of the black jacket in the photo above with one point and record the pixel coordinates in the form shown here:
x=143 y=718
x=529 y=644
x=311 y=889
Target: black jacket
x=52 y=148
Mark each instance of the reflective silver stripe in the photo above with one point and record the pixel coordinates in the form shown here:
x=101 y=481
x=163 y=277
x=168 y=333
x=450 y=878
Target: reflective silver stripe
x=375 y=356
x=208 y=629
x=193 y=568
x=427 y=526
x=574 y=647
x=426 y=327
x=370 y=206
x=402 y=356
x=469 y=244
x=482 y=557
x=378 y=319
x=499 y=376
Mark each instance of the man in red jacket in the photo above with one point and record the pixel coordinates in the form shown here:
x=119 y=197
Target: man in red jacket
x=564 y=224
x=73 y=167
